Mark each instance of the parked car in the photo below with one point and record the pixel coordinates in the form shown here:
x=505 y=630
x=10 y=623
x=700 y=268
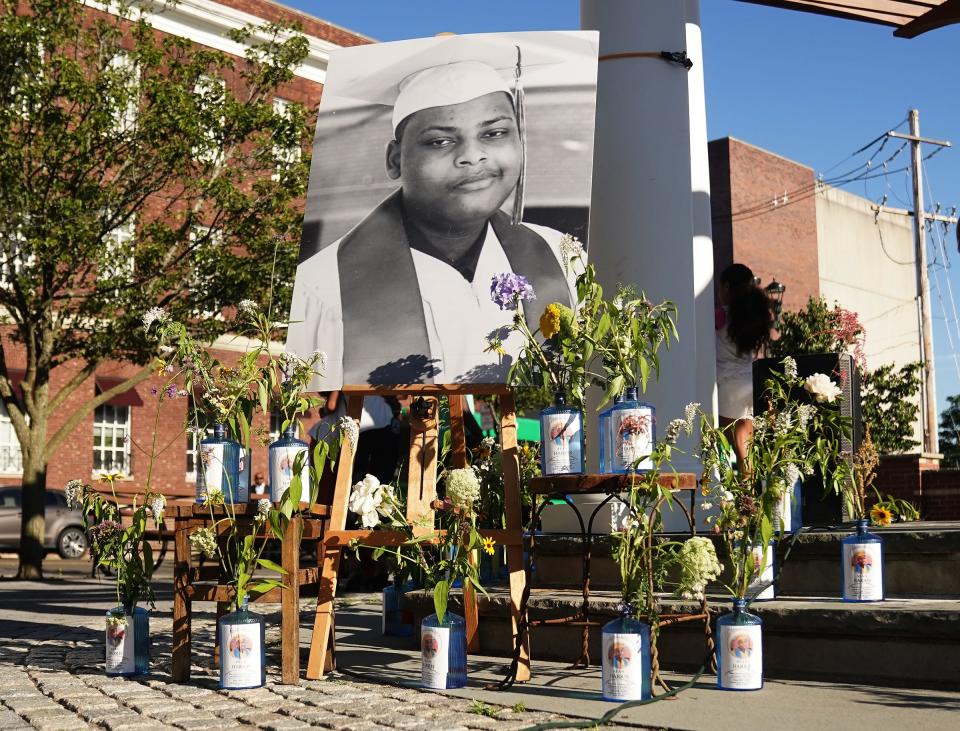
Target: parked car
x=64 y=527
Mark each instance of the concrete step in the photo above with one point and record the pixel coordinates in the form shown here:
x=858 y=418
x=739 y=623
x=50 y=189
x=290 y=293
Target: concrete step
x=921 y=560
x=899 y=642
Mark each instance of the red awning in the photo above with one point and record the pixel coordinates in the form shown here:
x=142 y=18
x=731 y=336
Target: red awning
x=127 y=398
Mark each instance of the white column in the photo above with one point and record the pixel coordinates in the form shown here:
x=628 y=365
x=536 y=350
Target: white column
x=650 y=211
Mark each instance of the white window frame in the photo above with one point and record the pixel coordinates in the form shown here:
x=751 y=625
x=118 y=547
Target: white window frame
x=11 y=456
x=194 y=437
x=117 y=427
x=216 y=239
x=210 y=86
x=114 y=267
x=126 y=120
x=11 y=263
x=284 y=157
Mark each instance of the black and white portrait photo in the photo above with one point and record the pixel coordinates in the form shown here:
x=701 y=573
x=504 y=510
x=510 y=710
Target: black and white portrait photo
x=438 y=164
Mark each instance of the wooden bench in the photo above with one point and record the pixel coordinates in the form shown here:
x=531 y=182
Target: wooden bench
x=207 y=584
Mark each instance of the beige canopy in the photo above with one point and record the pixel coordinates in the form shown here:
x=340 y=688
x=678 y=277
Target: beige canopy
x=909 y=17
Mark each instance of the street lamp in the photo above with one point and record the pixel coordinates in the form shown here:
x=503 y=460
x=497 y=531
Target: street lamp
x=775 y=292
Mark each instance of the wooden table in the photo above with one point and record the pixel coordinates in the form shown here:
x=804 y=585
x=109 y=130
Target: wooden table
x=206 y=583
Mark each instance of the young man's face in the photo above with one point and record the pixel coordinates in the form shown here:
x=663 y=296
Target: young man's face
x=458 y=163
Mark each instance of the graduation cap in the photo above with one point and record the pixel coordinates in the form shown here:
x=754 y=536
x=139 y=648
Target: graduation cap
x=410 y=76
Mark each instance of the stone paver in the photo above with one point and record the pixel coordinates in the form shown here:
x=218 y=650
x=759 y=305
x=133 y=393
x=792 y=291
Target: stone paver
x=52 y=679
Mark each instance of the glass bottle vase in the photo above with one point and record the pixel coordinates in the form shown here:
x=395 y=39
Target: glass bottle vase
x=862 y=558
x=626 y=660
x=393 y=623
x=283 y=458
x=561 y=438
x=632 y=430
x=443 y=651
x=739 y=649
x=762 y=587
x=218 y=467
x=127 y=641
x=603 y=427
x=242 y=649
x=788 y=517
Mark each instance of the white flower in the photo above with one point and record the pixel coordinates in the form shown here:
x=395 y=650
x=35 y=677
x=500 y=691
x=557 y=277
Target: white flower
x=789 y=368
x=204 y=540
x=673 y=430
x=463 y=488
x=822 y=388
x=689 y=413
x=263 y=506
x=570 y=248
x=158 y=503
x=72 y=492
x=706 y=506
x=365 y=500
x=793 y=474
x=351 y=430
x=726 y=498
x=154 y=314
x=783 y=423
x=319 y=359
x=805 y=412
x=698 y=566
x=248 y=306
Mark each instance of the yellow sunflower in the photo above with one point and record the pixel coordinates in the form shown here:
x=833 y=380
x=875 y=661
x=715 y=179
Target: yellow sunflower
x=881 y=515
x=488 y=545
x=550 y=320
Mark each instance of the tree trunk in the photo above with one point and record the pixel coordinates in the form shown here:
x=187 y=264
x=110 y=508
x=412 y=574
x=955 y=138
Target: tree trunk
x=32 y=526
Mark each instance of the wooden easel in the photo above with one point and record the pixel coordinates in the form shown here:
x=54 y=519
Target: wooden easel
x=421 y=490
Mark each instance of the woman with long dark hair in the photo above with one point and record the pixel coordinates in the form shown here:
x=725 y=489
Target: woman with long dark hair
x=744 y=320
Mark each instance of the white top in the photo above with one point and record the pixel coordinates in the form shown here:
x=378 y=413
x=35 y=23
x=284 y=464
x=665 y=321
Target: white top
x=459 y=314
x=734 y=379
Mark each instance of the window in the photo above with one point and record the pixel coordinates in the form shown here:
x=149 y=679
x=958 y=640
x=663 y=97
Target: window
x=284 y=155
x=111 y=439
x=11 y=459
x=118 y=259
x=10 y=497
x=125 y=83
x=12 y=260
x=210 y=92
x=198 y=428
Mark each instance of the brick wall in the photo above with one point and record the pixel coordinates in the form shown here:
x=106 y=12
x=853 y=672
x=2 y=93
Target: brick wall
x=775 y=240
x=920 y=480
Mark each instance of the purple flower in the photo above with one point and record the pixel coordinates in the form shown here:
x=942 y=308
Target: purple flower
x=171 y=390
x=508 y=289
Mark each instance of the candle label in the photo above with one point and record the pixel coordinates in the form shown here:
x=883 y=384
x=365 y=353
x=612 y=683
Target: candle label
x=863 y=571
x=560 y=430
x=120 y=642
x=631 y=433
x=762 y=577
x=240 y=654
x=282 y=462
x=211 y=475
x=435 y=655
x=741 y=650
x=622 y=677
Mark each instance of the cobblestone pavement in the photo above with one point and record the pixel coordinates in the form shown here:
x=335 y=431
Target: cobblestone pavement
x=52 y=679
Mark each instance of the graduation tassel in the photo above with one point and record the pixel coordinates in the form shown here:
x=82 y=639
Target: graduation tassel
x=517 y=217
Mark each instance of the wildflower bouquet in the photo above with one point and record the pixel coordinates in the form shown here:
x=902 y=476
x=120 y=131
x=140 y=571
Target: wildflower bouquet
x=442 y=553
x=122 y=551
x=232 y=394
x=801 y=431
x=644 y=560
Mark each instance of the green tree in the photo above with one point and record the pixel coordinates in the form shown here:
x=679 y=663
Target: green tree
x=889 y=407
x=950 y=433
x=131 y=176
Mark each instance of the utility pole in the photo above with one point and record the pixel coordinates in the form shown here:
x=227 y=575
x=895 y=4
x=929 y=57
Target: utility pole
x=929 y=395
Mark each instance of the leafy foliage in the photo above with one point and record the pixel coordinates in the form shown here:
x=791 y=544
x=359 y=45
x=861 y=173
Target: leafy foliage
x=131 y=177
x=818 y=328
x=889 y=408
x=950 y=432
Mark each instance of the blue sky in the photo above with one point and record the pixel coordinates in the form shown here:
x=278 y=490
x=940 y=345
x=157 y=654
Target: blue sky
x=810 y=88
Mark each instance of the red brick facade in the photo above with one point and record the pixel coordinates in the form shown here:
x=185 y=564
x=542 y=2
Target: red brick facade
x=75 y=459
x=764 y=215
x=920 y=480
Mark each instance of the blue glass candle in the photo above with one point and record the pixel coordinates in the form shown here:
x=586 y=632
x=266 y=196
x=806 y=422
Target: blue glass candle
x=242 y=655
x=862 y=556
x=443 y=651
x=762 y=588
x=604 y=429
x=739 y=649
x=283 y=455
x=561 y=438
x=393 y=623
x=218 y=467
x=632 y=434
x=789 y=515
x=243 y=483
x=626 y=660
x=127 y=641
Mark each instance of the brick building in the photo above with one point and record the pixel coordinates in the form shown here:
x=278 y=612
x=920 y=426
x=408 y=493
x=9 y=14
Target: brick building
x=118 y=436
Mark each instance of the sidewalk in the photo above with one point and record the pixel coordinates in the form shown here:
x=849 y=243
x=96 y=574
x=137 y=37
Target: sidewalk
x=51 y=678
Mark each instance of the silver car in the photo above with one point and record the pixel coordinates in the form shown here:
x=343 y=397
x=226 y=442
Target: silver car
x=64 y=527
